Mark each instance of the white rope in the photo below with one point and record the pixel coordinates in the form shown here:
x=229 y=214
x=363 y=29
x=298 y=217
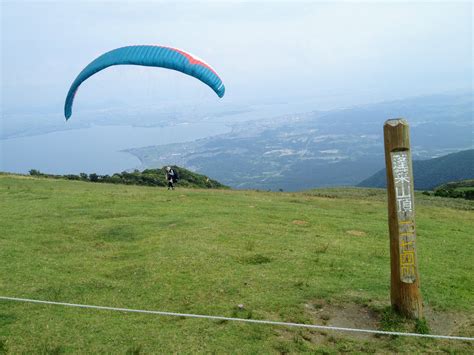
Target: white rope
x=287 y=324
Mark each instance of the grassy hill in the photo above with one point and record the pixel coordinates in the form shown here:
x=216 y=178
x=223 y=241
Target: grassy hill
x=318 y=257
x=456 y=189
x=431 y=173
x=147 y=177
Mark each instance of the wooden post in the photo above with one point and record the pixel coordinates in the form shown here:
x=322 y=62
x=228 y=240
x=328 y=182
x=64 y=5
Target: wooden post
x=405 y=281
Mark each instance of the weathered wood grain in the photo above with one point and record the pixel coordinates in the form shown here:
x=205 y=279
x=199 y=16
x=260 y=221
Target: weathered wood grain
x=405 y=281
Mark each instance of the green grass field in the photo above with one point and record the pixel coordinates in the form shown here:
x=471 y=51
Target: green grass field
x=317 y=257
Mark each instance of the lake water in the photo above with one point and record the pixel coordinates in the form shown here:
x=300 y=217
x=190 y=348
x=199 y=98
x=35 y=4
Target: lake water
x=99 y=148
x=95 y=149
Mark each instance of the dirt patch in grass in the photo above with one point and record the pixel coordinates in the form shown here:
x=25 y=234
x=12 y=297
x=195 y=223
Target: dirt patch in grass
x=356 y=233
x=372 y=317
x=449 y=323
x=291 y=340
x=366 y=316
x=349 y=315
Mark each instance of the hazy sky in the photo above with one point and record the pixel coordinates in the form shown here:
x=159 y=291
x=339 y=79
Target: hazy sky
x=263 y=51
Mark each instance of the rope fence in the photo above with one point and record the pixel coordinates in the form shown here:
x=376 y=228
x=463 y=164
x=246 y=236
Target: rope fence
x=255 y=321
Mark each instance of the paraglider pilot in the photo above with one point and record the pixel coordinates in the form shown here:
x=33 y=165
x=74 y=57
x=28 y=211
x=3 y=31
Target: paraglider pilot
x=170 y=177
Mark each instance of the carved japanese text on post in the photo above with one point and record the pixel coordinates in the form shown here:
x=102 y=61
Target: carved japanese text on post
x=402 y=176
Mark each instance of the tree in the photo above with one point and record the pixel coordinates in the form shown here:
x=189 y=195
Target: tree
x=34 y=172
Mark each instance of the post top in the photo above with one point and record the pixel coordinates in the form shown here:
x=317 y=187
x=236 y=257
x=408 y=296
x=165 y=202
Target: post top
x=396 y=121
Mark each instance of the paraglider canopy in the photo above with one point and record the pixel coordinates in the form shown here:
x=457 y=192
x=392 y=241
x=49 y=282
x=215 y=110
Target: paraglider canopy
x=151 y=56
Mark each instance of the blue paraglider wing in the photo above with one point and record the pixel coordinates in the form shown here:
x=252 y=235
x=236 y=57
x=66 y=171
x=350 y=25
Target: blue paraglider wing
x=151 y=56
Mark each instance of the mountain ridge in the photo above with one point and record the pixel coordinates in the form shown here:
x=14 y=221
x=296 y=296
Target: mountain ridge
x=431 y=173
